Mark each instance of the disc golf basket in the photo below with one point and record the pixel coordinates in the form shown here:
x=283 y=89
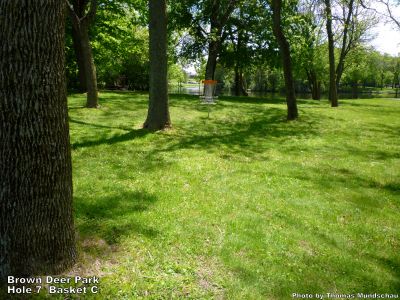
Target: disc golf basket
x=209 y=98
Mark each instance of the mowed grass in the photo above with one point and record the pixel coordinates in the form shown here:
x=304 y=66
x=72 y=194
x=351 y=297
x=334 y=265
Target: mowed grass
x=241 y=205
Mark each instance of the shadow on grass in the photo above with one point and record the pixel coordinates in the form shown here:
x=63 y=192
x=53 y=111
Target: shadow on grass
x=327 y=257
x=243 y=134
x=133 y=134
x=393 y=131
x=98 y=125
x=112 y=217
x=391 y=265
x=362 y=103
x=328 y=177
x=274 y=99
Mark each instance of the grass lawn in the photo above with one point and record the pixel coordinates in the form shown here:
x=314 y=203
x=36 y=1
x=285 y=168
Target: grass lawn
x=243 y=205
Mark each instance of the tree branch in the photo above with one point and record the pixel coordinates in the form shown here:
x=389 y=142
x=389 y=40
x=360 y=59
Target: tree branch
x=74 y=17
x=91 y=14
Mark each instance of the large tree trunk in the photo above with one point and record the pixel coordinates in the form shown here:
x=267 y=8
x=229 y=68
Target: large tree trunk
x=213 y=51
x=240 y=89
x=79 y=59
x=220 y=14
x=354 y=90
x=333 y=97
x=345 y=44
x=92 y=100
x=158 y=112
x=81 y=21
x=314 y=84
x=292 y=112
x=36 y=223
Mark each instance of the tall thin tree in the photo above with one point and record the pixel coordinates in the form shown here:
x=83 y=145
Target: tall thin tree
x=276 y=6
x=158 y=112
x=333 y=97
x=81 y=19
x=220 y=13
x=36 y=224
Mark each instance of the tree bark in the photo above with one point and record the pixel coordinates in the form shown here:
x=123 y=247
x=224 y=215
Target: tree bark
x=292 y=112
x=213 y=52
x=92 y=100
x=218 y=19
x=314 y=84
x=346 y=45
x=333 y=97
x=36 y=223
x=158 y=112
x=81 y=22
x=79 y=59
x=354 y=90
x=240 y=89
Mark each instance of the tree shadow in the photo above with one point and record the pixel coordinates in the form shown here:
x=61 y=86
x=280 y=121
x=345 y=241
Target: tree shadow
x=351 y=102
x=393 y=131
x=240 y=135
x=112 y=217
x=131 y=135
x=76 y=107
x=392 y=265
x=253 y=100
x=99 y=125
x=329 y=178
x=315 y=248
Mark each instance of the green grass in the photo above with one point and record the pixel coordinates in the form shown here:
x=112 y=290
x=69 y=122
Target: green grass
x=243 y=205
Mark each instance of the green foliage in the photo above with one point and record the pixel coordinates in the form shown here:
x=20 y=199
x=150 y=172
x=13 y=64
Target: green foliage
x=120 y=45
x=250 y=41
x=370 y=68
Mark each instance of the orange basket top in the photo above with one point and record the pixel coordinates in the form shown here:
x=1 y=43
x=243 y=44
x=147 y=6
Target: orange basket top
x=209 y=81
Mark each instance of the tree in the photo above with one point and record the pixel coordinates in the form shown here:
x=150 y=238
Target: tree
x=220 y=13
x=249 y=43
x=353 y=23
x=308 y=46
x=388 y=4
x=36 y=229
x=206 y=22
x=333 y=97
x=81 y=21
x=276 y=6
x=158 y=112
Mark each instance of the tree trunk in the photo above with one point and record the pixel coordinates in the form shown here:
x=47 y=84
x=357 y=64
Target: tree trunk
x=333 y=98
x=81 y=21
x=345 y=44
x=354 y=90
x=314 y=84
x=89 y=70
x=292 y=112
x=213 y=50
x=79 y=59
x=240 y=89
x=36 y=223
x=158 y=112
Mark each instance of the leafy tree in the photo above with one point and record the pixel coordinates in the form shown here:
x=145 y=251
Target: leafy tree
x=158 y=112
x=276 y=6
x=388 y=6
x=36 y=224
x=333 y=97
x=249 y=43
x=120 y=44
x=82 y=18
x=206 y=22
x=307 y=40
x=353 y=22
